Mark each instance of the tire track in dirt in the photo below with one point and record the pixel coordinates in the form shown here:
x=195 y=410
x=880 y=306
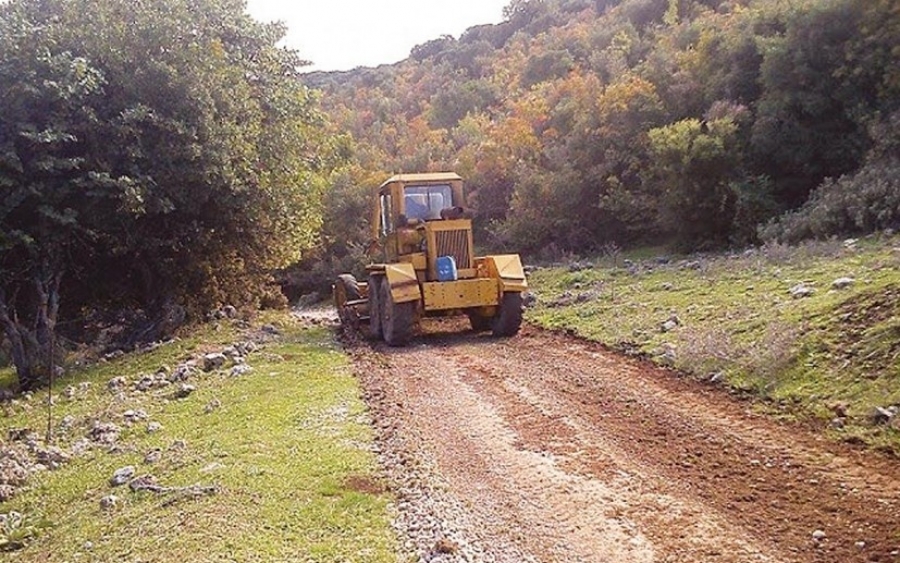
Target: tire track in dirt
x=561 y=451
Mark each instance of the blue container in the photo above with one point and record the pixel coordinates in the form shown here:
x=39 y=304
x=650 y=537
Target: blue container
x=446 y=269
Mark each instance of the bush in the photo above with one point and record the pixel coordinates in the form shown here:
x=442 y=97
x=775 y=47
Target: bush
x=864 y=202
x=315 y=275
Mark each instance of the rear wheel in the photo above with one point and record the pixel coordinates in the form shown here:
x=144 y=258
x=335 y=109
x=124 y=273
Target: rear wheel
x=397 y=319
x=375 y=306
x=509 y=318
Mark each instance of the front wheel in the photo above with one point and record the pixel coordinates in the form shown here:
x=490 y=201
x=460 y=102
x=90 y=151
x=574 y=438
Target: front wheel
x=375 y=283
x=480 y=323
x=397 y=319
x=508 y=319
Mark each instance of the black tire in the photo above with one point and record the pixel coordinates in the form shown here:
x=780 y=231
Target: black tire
x=375 y=283
x=397 y=319
x=480 y=323
x=508 y=319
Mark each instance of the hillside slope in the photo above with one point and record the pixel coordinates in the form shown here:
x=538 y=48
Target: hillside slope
x=578 y=123
x=814 y=331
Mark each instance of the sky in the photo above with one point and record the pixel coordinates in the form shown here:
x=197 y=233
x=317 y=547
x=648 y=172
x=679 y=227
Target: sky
x=345 y=34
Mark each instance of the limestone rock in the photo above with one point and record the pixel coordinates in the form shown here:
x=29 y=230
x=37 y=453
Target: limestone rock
x=270 y=329
x=153 y=456
x=212 y=405
x=240 y=369
x=184 y=390
x=182 y=373
x=884 y=415
x=116 y=383
x=104 y=433
x=801 y=290
x=122 y=476
x=134 y=415
x=842 y=283
x=109 y=502
x=214 y=361
x=6 y=492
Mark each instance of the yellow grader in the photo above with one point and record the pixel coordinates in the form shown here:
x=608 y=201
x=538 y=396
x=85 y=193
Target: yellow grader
x=428 y=266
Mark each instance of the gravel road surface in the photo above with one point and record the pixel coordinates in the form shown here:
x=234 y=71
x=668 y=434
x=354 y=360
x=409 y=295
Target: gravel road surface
x=546 y=448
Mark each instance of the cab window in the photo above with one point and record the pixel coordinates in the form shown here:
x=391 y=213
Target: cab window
x=387 y=222
x=426 y=202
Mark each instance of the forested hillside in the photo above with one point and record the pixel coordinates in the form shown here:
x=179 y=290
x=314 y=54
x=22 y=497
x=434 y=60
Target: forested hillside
x=582 y=123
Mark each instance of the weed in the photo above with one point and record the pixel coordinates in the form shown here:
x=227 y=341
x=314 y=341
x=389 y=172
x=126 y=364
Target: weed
x=707 y=350
x=17 y=529
x=768 y=357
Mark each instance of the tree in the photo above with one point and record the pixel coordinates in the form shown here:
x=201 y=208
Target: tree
x=693 y=166
x=170 y=142
x=49 y=201
x=805 y=129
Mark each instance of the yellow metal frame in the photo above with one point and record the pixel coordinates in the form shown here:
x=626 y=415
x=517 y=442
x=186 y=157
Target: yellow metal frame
x=403 y=282
x=461 y=294
x=417 y=260
x=505 y=267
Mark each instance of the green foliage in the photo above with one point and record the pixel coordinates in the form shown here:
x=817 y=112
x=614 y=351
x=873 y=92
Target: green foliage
x=805 y=126
x=545 y=211
x=286 y=447
x=348 y=209
x=449 y=106
x=754 y=205
x=546 y=66
x=694 y=165
x=858 y=203
x=17 y=529
x=863 y=202
x=170 y=142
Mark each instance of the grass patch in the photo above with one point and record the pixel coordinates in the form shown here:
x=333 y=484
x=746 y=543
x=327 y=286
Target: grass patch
x=834 y=354
x=287 y=447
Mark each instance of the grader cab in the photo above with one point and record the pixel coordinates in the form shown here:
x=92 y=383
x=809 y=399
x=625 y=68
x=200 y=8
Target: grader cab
x=428 y=267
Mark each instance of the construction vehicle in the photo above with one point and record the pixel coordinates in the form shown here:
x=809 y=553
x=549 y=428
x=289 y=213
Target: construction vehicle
x=428 y=267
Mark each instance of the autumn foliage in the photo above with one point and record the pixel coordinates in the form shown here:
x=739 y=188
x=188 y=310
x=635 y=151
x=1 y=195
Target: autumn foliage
x=692 y=122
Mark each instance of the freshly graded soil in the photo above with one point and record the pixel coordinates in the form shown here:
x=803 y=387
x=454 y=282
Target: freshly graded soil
x=546 y=448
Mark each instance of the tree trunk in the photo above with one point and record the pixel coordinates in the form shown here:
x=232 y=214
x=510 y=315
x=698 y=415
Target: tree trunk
x=33 y=348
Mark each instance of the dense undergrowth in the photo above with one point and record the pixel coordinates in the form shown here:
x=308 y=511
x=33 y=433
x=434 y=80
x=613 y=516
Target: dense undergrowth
x=272 y=464
x=777 y=322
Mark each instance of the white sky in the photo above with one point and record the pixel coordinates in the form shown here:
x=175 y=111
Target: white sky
x=344 y=34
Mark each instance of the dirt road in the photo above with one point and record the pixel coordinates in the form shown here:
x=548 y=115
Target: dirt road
x=546 y=448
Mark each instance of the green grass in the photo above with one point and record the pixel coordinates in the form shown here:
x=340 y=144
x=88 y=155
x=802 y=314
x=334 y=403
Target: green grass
x=288 y=448
x=835 y=350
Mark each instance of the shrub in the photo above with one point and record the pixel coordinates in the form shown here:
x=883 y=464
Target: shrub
x=864 y=202
x=706 y=351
